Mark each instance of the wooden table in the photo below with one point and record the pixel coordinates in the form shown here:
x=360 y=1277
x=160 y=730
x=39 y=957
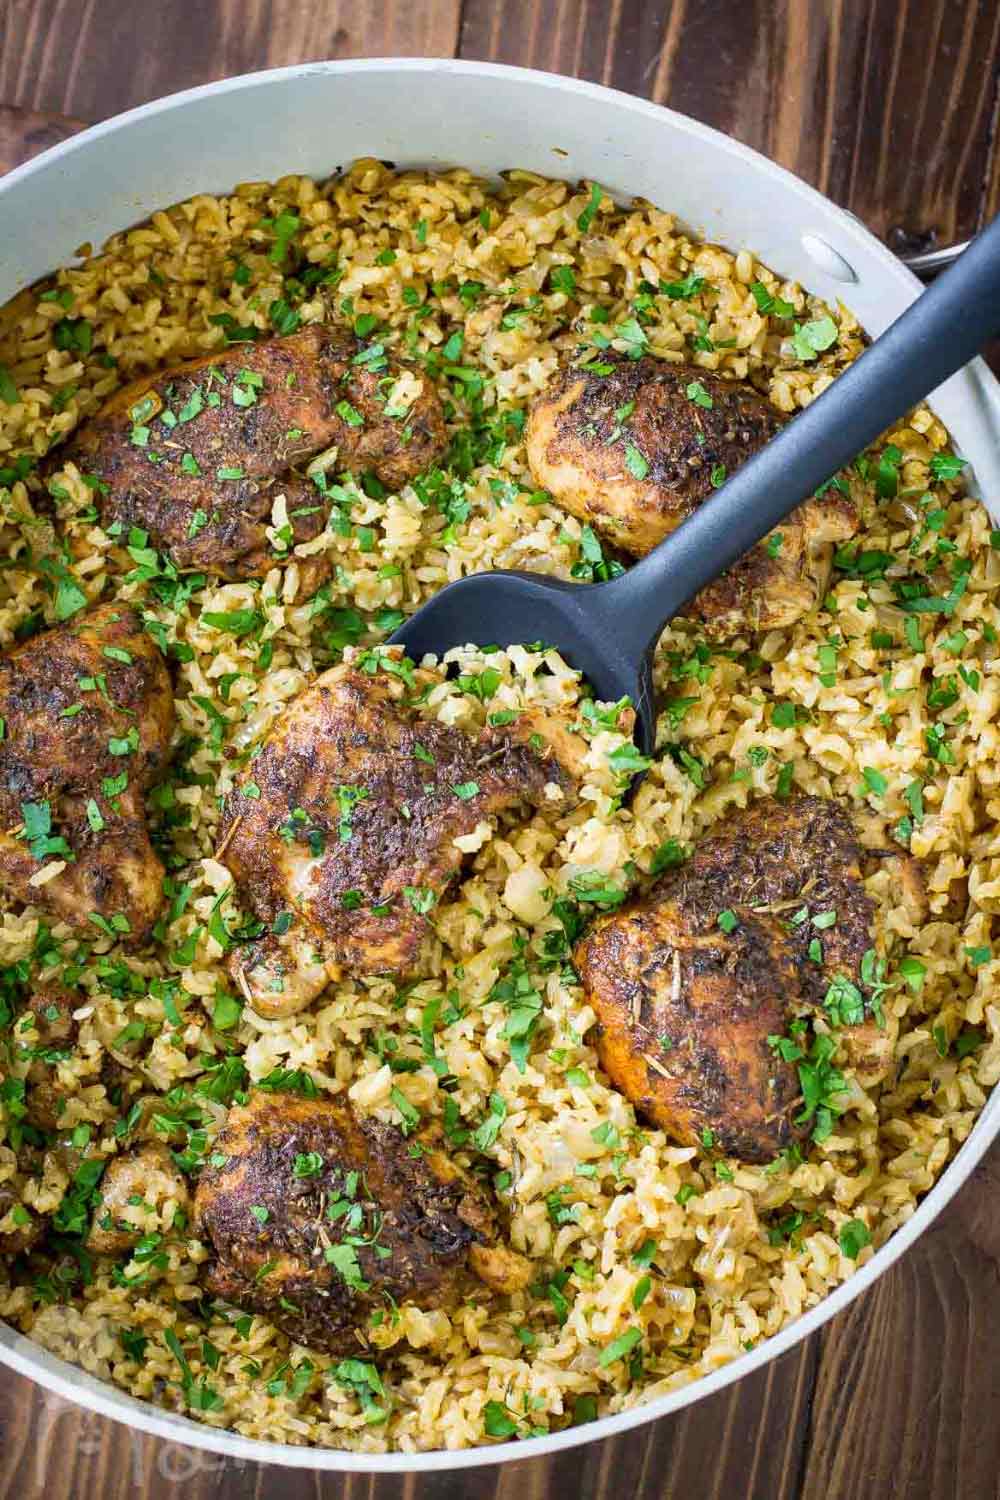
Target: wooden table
x=892 y=107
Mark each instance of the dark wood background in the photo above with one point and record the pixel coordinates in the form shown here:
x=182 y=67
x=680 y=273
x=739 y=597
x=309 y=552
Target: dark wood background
x=892 y=107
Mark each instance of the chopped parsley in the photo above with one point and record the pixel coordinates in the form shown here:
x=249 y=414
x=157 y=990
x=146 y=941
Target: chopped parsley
x=409 y=1115
x=349 y=414
x=562 y=279
x=914 y=972
x=682 y=291
x=37 y=832
x=635 y=462
x=348 y=798
x=697 y=393
x=887 y=472
x=496 y=1421
x=875 y=781
x=236 y=622
x=844 y=1002
x=811 y=339
x=586 y=218
x=523 y=1002
x=946 y=466
x=619 y=1347
x=486 y=1134
x=420 y=897
x=853 y=1237
x=307 y=1164
x=768 y=303
x=361 y=1378
x=821 y=1086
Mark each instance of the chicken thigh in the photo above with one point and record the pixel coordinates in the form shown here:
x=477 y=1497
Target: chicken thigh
x=317 y=1217
x=196 y=456
x=342 y=833
x=635 y=451
x=767 y=920
x=88 y=712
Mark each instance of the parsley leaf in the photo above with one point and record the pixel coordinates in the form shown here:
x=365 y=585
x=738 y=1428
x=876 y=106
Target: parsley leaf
x=37 y=817
x=853 y=1237
x=812 y=338
x=635 y=462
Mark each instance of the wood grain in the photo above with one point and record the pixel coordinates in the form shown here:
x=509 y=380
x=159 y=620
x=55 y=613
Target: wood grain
x=66 y=56
x=888 y=106
x=23 y=133
x=892 y=107
x=908 y=1383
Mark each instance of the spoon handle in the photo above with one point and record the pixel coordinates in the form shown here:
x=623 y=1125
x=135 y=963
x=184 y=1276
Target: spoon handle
x=938 y=334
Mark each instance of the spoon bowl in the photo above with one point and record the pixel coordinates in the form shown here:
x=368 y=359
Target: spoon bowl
x=508 y=608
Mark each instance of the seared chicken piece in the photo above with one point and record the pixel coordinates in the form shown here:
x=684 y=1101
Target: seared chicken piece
x=341 y=833
x=319 y=1216
x=794 y=860
x=801 y=860
x=685 y=1012
x=47 y=1028
x=686 y=1005
x=634 y=454
x=140 y=1192
x=88 y=712
x=196 y=456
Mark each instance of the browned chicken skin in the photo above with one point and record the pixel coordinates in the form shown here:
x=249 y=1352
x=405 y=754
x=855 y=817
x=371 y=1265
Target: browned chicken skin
x=88 y=712
x=352 y=833
x=589 y=438
x=685 y=1011
x=319 y=1216
x=786 y=859
x=197 y=455
x=685 y=1007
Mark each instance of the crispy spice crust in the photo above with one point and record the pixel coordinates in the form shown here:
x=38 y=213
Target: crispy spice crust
x=306 y=393
x=353 y=831
x=416 y=1217
x=57 y=749
x=686 y=1008
x=631 y=452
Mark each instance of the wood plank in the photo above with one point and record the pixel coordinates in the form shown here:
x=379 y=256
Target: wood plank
x=24 y=133
x=888 y=106
x=908 y=1385
x=991 y=190
x=65 y=56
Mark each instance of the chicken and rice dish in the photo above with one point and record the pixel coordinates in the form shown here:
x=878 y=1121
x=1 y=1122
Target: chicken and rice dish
x=381 y=1066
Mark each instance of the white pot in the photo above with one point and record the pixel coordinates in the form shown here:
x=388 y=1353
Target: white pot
x=423 y=112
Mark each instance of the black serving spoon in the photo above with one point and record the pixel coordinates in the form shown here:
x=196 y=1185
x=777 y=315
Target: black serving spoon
x=608 y=630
